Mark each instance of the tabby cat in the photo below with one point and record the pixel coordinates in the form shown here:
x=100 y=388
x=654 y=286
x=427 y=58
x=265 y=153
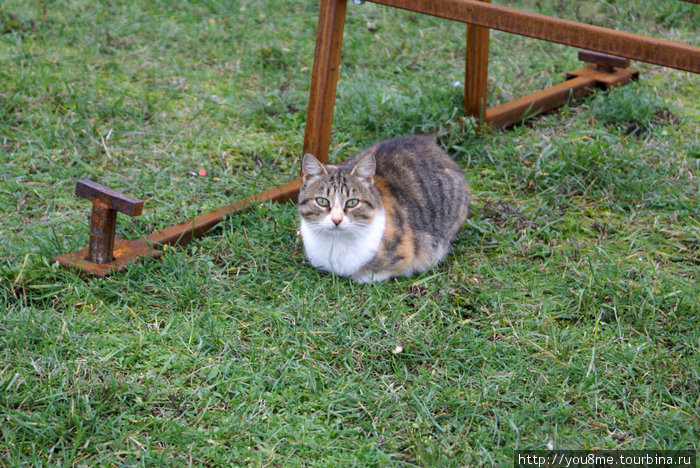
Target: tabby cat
x=391 y=210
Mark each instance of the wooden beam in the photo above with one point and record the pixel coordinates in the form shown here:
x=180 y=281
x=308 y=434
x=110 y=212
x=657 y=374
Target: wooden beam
x=584 y=36
x=184 y=232
x=126 y=252
x=476 y=70
x=324 y=78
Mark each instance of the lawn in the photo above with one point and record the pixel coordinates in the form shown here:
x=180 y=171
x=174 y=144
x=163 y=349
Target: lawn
x=567 y=314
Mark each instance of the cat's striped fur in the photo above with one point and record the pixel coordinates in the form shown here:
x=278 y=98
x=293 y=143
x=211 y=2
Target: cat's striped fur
x=391 y=210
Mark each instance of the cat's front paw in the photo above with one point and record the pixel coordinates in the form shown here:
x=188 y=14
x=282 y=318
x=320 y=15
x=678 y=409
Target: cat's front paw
x=370 y=278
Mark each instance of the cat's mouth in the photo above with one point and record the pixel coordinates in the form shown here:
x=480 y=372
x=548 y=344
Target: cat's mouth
x=339 y=229
x=342 y=229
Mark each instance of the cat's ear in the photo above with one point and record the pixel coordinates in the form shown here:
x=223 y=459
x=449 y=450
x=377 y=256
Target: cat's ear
x=311 y=167
x=364 y=168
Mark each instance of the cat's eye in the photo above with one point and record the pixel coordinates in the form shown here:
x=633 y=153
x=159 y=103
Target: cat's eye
x=323 y=202
x=352 y=203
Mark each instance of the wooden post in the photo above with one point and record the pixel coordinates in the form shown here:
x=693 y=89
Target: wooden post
x=105 y=204
x=324 y=78
x=103 y=222
x=477 y=68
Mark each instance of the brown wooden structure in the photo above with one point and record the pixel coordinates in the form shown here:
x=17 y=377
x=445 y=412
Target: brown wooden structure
x=607 y=50
x=480 y=16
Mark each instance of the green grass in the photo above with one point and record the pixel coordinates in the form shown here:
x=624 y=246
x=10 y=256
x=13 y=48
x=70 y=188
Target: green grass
x=566 y=315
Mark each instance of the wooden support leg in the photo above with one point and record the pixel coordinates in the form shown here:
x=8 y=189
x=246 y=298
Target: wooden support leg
x=121 y=252
x=106 y=253
x=103 y=222
x=324 y=78
x=477 y=67
x=605 y=71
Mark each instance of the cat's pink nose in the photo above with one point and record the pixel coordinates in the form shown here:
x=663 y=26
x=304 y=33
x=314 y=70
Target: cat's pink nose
x=336 y=219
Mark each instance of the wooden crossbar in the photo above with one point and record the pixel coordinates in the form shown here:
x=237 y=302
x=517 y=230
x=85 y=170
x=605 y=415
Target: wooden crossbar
x=571 y=33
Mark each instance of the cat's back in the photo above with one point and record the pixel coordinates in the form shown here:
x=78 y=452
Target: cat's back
x=411 y=154
x=426 y=185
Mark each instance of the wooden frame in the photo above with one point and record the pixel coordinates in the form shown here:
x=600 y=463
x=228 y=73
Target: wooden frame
x=480 y=16
x=607 y=48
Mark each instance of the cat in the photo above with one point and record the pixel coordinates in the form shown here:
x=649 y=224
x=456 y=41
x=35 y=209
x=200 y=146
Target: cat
x=391 y=210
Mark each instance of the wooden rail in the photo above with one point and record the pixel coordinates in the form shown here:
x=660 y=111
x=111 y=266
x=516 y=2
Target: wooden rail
x=585 y=36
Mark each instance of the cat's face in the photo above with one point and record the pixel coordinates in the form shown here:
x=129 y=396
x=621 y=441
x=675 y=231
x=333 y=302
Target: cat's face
x=338 y=200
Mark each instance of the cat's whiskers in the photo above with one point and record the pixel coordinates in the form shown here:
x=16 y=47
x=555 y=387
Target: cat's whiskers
x=346 y=228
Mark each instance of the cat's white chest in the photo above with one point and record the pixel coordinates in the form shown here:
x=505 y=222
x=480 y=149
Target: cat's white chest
x=343 y=253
